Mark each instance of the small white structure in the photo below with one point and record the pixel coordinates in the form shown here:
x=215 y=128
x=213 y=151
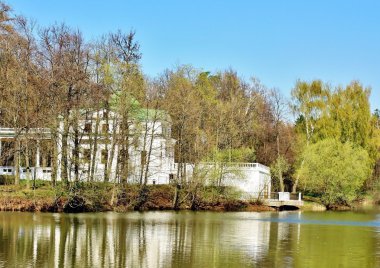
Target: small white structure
x=260 y=187
x=150 y=143
x=252 y=179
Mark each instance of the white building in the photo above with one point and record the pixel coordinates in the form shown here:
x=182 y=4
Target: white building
x=149 y=139
x=150 y=144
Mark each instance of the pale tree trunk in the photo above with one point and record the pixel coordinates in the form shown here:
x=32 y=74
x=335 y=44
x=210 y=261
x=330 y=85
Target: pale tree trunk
x=176 y=197
x=64 y=158
x=17 y=161
x=125 y=151
x=54 y=160
x=76 y=147
x=282 y=188
x=27 y=164
x=109 y=163
x=295 y=184
x=143 y=162
x=95 y=147
x=148 y=158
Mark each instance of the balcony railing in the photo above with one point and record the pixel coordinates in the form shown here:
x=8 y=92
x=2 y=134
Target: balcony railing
x=5 y=131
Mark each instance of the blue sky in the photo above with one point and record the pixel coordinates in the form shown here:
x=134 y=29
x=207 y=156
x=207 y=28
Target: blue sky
x=275 y=41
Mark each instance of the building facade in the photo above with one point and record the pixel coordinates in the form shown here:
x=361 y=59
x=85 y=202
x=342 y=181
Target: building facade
x=97 y=139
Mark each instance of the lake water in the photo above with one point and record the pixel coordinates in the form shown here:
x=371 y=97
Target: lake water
x=190 y=239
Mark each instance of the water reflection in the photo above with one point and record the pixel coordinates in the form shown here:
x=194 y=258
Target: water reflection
x=186 y=239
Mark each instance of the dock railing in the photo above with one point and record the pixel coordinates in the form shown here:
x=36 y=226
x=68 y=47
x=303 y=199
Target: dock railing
x=281 y=199
x=285 y=196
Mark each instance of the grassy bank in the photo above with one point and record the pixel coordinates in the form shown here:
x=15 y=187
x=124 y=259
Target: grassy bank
x=91 y=197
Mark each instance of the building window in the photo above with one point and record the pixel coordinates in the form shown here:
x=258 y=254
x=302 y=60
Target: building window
x=104 y=156
x=166 y=131
x=87 y=128
x=105 y=114
x=47 y=161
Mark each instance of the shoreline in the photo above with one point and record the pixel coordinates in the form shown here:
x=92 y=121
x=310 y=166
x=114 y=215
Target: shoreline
x=62 y=206
x=100 y=197
x=106 y=197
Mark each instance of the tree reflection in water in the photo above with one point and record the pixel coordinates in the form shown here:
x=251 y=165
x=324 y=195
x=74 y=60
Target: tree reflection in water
x=188 y=239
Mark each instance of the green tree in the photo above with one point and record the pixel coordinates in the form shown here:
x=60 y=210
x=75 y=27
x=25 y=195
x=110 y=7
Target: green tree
x=349 y=111
x=309 y=100
x=336 y=171
x=341 y=113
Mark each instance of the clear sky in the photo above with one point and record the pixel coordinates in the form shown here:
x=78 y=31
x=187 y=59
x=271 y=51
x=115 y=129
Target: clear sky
x=275 y=41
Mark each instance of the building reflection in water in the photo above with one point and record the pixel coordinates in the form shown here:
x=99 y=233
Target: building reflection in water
x=169 y=239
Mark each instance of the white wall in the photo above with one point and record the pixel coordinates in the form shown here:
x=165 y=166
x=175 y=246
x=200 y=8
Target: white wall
x=252 y=179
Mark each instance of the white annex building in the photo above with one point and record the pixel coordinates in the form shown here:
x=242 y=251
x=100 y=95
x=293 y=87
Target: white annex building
x=151 y=153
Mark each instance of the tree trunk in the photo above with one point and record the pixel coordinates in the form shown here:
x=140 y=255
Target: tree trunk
x=95 y=147
x=27 y=164
x=54 y=162
x=17 y=161
x=295 y=184
x=109 y=161
x=176 y=203
x=125 y=151
x=149 y=151
x=76 y=151
x=64 y=164
x=281 y=181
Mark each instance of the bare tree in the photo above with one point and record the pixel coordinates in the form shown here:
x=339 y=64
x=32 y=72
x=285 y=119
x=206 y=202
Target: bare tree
x=65 y=55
